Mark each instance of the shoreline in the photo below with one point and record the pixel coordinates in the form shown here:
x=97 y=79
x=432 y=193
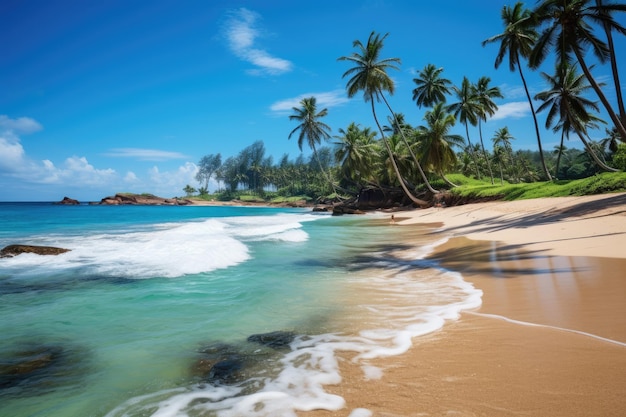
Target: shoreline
x=550 y=335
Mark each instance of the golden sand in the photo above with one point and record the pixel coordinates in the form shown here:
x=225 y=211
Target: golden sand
x=550 y=336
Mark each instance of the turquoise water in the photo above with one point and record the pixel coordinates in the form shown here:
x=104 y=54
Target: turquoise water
x=128 y=322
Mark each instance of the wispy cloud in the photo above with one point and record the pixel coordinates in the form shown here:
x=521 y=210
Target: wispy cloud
x=144 y=154
x=324 y=100
x=512 y=110
x=242 y=33
x=21 y=125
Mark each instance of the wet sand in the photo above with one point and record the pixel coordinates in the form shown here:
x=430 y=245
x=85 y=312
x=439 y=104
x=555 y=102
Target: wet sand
x=550 y=336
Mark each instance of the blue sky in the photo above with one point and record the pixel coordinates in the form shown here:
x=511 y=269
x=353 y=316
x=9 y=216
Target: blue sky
x=99 y=97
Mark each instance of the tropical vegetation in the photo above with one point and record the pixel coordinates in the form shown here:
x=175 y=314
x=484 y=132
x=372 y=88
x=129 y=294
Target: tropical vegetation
x=426 y=159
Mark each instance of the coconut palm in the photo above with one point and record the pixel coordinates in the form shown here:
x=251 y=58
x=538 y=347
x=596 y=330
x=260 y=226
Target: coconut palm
x=502 y=138
x=466 y=110
x=355 y=152
x=569 y=30
x=431 y=87
x=517 y=42
x=435 y=143
x=369 y=75
x=501 y=158
x=484 y=96
x=311 y=129
x=568 y=108
x=616 y=79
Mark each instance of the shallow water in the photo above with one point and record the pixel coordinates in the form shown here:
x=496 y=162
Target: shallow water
x=128 y=322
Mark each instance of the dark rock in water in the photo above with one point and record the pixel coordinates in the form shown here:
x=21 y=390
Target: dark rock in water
x=220 y=363
x=142 y=200
x=37 y=368
x=68 y=202
x=14 y=250
x=274 y=340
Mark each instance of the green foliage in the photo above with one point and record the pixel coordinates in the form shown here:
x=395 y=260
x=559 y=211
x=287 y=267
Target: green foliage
x=619 y=157
x=597 y=184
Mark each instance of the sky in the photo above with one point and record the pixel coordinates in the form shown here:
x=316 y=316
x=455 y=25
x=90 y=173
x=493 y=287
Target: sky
x=100 y=97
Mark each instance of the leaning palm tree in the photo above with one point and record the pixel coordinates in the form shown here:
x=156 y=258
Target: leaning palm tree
x=311 y=129
x=431 y=87
x=466 y=110
x=517 y=41
x=568 y=107
x=616 y=79
x=435 y=143
x=569 y=31
x=369 y=75
x=484 y=96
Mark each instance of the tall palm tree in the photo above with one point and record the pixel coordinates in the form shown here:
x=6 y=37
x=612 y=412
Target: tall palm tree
x=569 y=31
x=355 y=152
x=616 y=79
x=517 y=41
x=568 y=107
x=484 y=96
x=466 y=110
x=431 y=87
x=311 y=129
x=501 y=158
x=436 y=144
x=369 y=75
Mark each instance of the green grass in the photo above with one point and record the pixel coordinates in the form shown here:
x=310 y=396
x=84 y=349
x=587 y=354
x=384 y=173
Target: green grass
x=598 y=184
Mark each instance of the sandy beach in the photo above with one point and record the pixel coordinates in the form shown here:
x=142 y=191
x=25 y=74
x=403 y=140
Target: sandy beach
x=550 y=336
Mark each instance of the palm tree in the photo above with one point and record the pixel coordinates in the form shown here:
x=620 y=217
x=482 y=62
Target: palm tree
x=484 y=96
x=502 y=138
x=616 y=80
x=311 y=129
x=436 y=144
x=370 y=76
x=570 y=31
x=501 y=158
x=517 y=40
x=466 y=110
x=355 y=152
x=431 y=87
x=567 y=106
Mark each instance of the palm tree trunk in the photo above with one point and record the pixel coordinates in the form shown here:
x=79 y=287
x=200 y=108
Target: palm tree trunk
x=471 y=149
x=618 y=86
x=618 y=123
x=330 y=181
x=501 y=174
x=408 y=193
x=450 y=183
x=594 y=156
x=558 y=157
x=419 y=166
x=532 y=110
x=482 y=145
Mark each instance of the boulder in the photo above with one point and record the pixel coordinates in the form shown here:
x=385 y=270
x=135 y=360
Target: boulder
x=14 y=250
x=275 y=340
x=68 y=202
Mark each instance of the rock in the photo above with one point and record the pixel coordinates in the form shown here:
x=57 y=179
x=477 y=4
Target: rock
x=274 y=340
x=14 y=250
x=142 y=200
x=220 y=363
x=68 y=202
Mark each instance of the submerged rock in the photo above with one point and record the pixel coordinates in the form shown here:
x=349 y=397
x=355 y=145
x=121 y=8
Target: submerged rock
x=275 y=340
x=220 y=363
x=14 y=250
x=34 y=368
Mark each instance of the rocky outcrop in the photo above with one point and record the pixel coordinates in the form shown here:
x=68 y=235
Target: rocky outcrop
x=14 y=250
x=68 y=202
x=142 y=200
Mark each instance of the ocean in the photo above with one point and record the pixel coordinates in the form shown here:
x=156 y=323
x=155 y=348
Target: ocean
x=207 y=310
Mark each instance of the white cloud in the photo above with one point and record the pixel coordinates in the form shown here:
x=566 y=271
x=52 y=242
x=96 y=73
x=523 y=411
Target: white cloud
x=172 y=182
x=11 y=155
x=21 y=125
x=513 y=110
x=324 y=100
x=76 y=170
x=131 y=177
x=241 y=32
x=144 y=154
